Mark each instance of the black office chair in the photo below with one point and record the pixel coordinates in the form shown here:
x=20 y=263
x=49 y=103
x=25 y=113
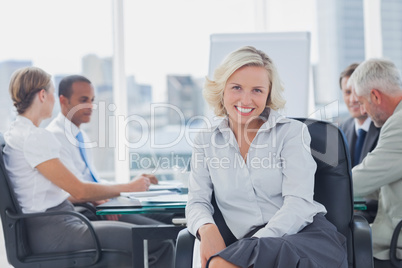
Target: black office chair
x=16 y=241
x=393 y=247
x=333 y=189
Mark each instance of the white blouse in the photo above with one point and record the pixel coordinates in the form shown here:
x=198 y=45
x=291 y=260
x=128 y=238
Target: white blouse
x=26 y=147
x=273 y=187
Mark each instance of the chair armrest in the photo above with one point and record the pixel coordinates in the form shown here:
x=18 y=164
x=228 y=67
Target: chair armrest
x=98 y=255
x=88 y=206
x=393 y=246
x=88 y=210
x=184 y=249
x=362 y=245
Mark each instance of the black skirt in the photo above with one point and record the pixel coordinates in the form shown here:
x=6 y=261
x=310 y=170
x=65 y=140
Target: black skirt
x=319 y=244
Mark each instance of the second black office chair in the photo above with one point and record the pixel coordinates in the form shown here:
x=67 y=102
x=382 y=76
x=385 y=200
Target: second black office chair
x=333 y=189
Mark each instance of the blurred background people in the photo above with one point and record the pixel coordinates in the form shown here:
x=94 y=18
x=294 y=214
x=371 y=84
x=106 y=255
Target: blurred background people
x=361 y=134
x=42 y=183
x=76 y=96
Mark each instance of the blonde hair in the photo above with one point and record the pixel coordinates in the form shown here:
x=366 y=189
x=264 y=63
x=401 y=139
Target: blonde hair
x=245 y=56
x=24 y=85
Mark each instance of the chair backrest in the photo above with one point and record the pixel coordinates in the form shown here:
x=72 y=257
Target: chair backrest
x=333 y=178
x=226 y=233
x=14 y=234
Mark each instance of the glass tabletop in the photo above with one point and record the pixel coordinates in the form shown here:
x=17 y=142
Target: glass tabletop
x=359 y=203
x=143 y=210
x=124 y=205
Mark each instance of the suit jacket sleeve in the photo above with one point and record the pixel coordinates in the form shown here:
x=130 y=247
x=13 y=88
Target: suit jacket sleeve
x=383 y=165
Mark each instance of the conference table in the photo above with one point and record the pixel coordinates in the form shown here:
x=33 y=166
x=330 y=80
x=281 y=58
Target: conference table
x=174 y=203
x=124 y=205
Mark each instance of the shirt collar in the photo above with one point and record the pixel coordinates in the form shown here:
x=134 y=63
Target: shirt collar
x=69 y=128
x=274 y=118
x=365 y=126
x=24 y=120
x=398 y=107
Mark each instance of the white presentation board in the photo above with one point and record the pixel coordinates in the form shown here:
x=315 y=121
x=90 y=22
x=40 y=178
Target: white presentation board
x=289 y=51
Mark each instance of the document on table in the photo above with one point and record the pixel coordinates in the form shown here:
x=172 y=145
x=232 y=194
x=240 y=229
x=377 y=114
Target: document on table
x=120 y=202
x=136 y=195
x=166 y=185
x=172 y=198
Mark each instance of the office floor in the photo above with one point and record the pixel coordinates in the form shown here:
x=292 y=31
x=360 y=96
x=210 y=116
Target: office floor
x=3 y=257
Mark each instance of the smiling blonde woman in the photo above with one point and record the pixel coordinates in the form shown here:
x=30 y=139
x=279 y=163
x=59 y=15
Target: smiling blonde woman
x=259 y=166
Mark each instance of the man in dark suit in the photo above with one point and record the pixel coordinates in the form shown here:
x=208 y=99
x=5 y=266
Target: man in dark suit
x=358 y=123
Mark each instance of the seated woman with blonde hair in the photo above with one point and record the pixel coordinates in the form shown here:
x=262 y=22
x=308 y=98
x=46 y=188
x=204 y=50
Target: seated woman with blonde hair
x=42 y=183
x=259 y=166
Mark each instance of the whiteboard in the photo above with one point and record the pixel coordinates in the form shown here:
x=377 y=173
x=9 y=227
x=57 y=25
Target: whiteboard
x=290 y=53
